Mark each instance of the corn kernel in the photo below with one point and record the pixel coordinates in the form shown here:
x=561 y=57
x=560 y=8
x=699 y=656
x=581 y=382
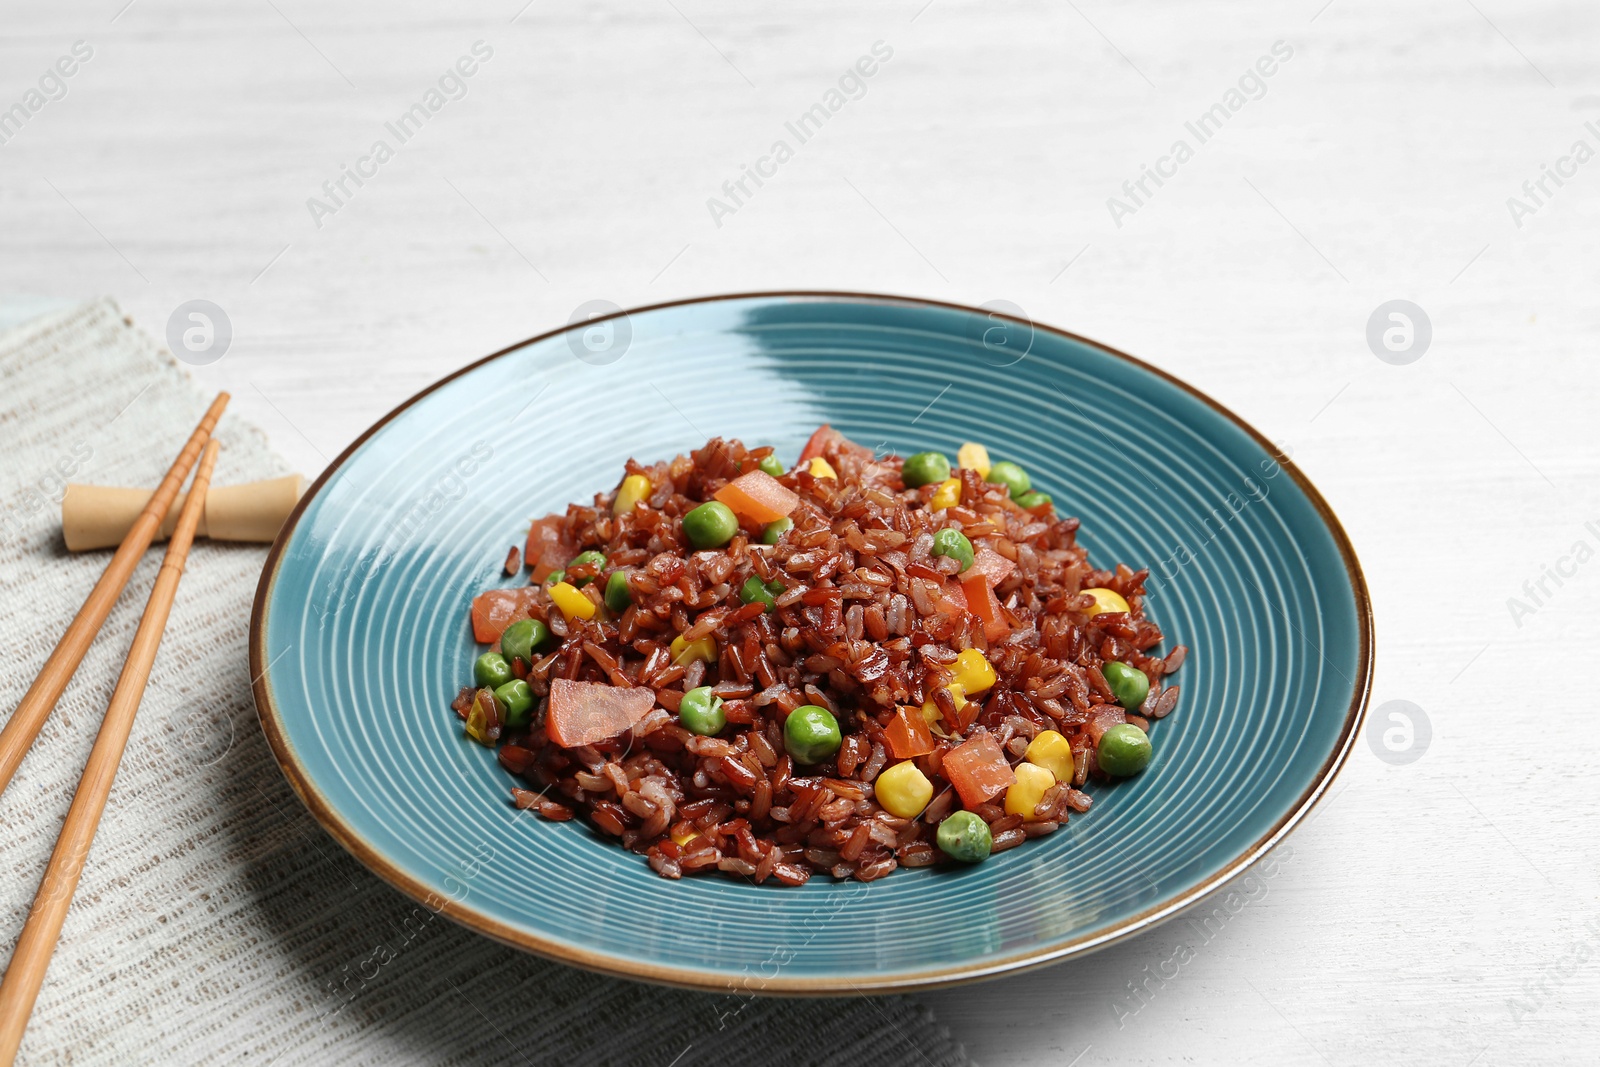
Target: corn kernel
x=974 y=673
x=1052 y=752
x=948 y=495
x=974 y=457
x=685 y=837
x=686 y=652
x=821 y=468
x=634 y=488
x=1106 y=600
x=931 y=712
x=1029 y=788
x=571 y=602
x=903 y=790
x=478 y=723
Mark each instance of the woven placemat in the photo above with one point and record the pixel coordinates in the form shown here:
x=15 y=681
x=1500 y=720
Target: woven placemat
x=215 y=921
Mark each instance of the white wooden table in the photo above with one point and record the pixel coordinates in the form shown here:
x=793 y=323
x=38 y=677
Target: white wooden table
x=1439 y=911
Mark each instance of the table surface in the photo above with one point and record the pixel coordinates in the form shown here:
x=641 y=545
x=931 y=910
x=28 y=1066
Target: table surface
x=1441 y=910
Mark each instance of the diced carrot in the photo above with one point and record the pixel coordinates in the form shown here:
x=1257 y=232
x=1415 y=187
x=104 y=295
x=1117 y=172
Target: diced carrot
x=994 y=567
x=582 y=713
x=978 y=769
x=982 y=602
x=908 y=734
x=496 y=609
x=758 y=496
x=545 y=552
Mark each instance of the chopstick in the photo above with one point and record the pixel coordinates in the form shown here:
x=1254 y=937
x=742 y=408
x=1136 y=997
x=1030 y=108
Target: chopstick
x=31 y=958
x=26 y=722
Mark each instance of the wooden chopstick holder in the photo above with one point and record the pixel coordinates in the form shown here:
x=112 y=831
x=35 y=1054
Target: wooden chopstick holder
x=99 y=516
x=26 y=722
x=31 y=958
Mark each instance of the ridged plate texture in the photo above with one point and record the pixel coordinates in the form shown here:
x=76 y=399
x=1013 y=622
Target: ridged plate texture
x=361 y=638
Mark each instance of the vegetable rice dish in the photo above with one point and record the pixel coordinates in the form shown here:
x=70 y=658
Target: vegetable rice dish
x=853 y=664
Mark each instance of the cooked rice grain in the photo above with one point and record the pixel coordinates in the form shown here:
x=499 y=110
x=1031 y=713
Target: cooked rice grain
x=870 y=621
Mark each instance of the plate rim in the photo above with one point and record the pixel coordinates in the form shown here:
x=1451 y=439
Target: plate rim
x=780 y=985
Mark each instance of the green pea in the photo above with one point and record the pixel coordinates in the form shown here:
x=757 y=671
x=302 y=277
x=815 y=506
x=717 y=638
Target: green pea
x=925 y=468
x=583 y=559
x=700 y=712
x=771 y=465
x=1128 y=684
x=556 y=576
x=755 y=589
x=491 y=670
x=711 y=525
x=617 y=596
x=525 y=638
x=1124 y=750
x=775 y=530
x=1032 y=499
x=1011 y=476
x=953 y=543
x=518 y=700
x=811 y=734
x=965 y=837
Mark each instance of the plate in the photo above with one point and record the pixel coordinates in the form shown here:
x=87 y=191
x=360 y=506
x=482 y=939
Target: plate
x=360 y=637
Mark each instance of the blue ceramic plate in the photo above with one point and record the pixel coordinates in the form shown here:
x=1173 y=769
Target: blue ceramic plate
x=360 y=635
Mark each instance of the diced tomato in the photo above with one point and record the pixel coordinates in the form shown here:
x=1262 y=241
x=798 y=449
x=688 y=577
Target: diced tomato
x=994 y=567
x=828 y=443
x=582 y=713
x=496 y=609
x=982 y=602
x=816 y=444
x=758 y=496
x=908 y=734
x=954 y=600
x=1103 y=718
x=545 y=552
x=978 y=769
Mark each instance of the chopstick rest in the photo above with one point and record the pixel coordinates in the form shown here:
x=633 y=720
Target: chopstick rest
x=98 y=516
x=31 y=958
x=41 y=697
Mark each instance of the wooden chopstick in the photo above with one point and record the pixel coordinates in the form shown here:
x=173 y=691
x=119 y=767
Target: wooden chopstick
x=26 y=722
x=25 y=973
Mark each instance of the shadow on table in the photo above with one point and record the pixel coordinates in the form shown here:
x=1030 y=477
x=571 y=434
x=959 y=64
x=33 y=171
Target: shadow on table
x=375 y=976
